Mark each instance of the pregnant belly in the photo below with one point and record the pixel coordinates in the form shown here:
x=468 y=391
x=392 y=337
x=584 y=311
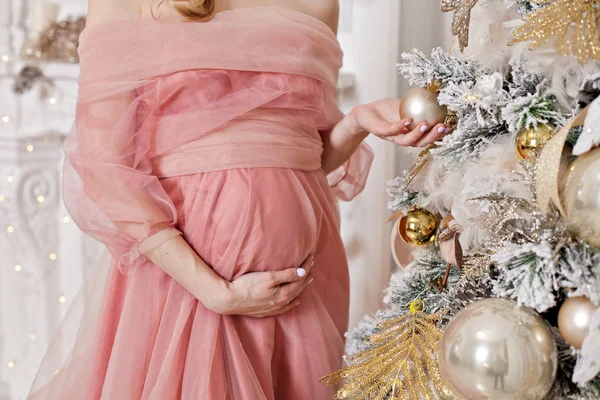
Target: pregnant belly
x=256 y=219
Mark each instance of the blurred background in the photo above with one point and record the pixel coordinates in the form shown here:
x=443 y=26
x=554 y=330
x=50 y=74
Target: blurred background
x=43 y=256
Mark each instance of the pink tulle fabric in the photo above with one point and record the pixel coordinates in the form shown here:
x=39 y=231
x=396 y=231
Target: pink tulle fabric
x=212 y=131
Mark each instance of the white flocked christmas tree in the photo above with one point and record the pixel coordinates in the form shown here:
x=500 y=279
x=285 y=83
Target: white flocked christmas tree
x=502 y=300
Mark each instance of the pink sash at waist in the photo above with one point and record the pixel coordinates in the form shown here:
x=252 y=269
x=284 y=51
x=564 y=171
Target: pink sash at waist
x=245 y=143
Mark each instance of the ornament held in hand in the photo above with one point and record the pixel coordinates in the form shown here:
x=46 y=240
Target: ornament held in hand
x=421 y=105
x=418 y=227
x=529 y=142
x=494 y=349
x=580 y=197
x=574 y=320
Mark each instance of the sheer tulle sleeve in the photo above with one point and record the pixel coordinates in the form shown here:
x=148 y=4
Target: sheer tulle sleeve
x=350 y=178
x=108 y=185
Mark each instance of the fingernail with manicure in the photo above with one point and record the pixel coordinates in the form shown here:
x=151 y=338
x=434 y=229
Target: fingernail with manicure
x=301 y=272
x=447 y=130
x=407 y=123
x=424 y=128
x=441 y=129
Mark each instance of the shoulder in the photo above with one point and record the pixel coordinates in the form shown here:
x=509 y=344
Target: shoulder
x=104 y=10
x=327 y=11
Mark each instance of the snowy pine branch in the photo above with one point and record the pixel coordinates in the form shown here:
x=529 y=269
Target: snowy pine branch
x=442 y=67
x=524 y=6
x=578 y=270
x=403 y=198
x=468 y=141
x=526 y=274
x=426 y=270
x=529 y=112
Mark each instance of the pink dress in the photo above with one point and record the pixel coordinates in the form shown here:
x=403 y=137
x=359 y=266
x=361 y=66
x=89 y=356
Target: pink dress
x=213 y=131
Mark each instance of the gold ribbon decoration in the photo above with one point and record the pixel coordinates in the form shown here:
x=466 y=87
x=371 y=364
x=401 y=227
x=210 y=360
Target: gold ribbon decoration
x=548 y=165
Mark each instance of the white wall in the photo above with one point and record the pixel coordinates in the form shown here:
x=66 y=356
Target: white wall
x=379 y=32
x=370 y=48
x=422 y=26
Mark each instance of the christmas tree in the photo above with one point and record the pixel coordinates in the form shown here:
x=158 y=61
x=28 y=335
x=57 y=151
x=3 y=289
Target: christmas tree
x=502 y=300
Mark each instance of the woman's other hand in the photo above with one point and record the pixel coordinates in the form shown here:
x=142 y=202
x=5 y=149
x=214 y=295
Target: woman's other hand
x=381 y=119
x=262 y=294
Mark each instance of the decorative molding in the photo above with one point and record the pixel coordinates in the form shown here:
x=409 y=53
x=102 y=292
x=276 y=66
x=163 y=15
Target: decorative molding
x=29 y=186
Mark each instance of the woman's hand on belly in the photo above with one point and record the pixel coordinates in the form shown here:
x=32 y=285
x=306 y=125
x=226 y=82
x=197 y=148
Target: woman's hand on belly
x=261 y=294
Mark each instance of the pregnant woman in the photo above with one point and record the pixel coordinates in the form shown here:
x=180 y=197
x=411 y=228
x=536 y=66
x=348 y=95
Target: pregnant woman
x=207 y=154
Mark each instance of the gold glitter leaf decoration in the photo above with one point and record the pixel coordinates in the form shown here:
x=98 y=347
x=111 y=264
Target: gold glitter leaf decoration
x=401 y=363
x=570 y=25
x=462 y=18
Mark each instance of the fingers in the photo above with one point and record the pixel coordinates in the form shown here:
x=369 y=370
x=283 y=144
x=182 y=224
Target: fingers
x=286 y=276
x=435 y=134
x=289 y=292
x=292 y=274
x=412 y=136
x=308 y=264
x=286 y=298
x=279 y=311
x=422 y=135
x=384 y=129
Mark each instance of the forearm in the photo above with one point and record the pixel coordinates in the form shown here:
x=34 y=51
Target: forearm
x=341 y=143
x=180 y=261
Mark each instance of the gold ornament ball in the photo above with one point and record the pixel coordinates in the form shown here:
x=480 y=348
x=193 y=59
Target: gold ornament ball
x=495 y=350
x=529 y=142
x=418 y=227
x=422 y=106
x=574 y=319
x=398 y=246
x=581 y=197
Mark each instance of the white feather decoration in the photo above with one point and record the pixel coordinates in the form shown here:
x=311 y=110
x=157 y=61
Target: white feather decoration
x=590 y=136
x=491 y=173
x=452 y=191
x=588 y=364
x=488 y=36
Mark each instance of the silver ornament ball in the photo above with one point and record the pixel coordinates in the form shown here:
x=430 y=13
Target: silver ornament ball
x=495 y=350
x=574 y=319
x=581 y=197
x=422 y=106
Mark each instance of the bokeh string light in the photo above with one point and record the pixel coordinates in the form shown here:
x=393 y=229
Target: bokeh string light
x=40 y=58
x=13 y=362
